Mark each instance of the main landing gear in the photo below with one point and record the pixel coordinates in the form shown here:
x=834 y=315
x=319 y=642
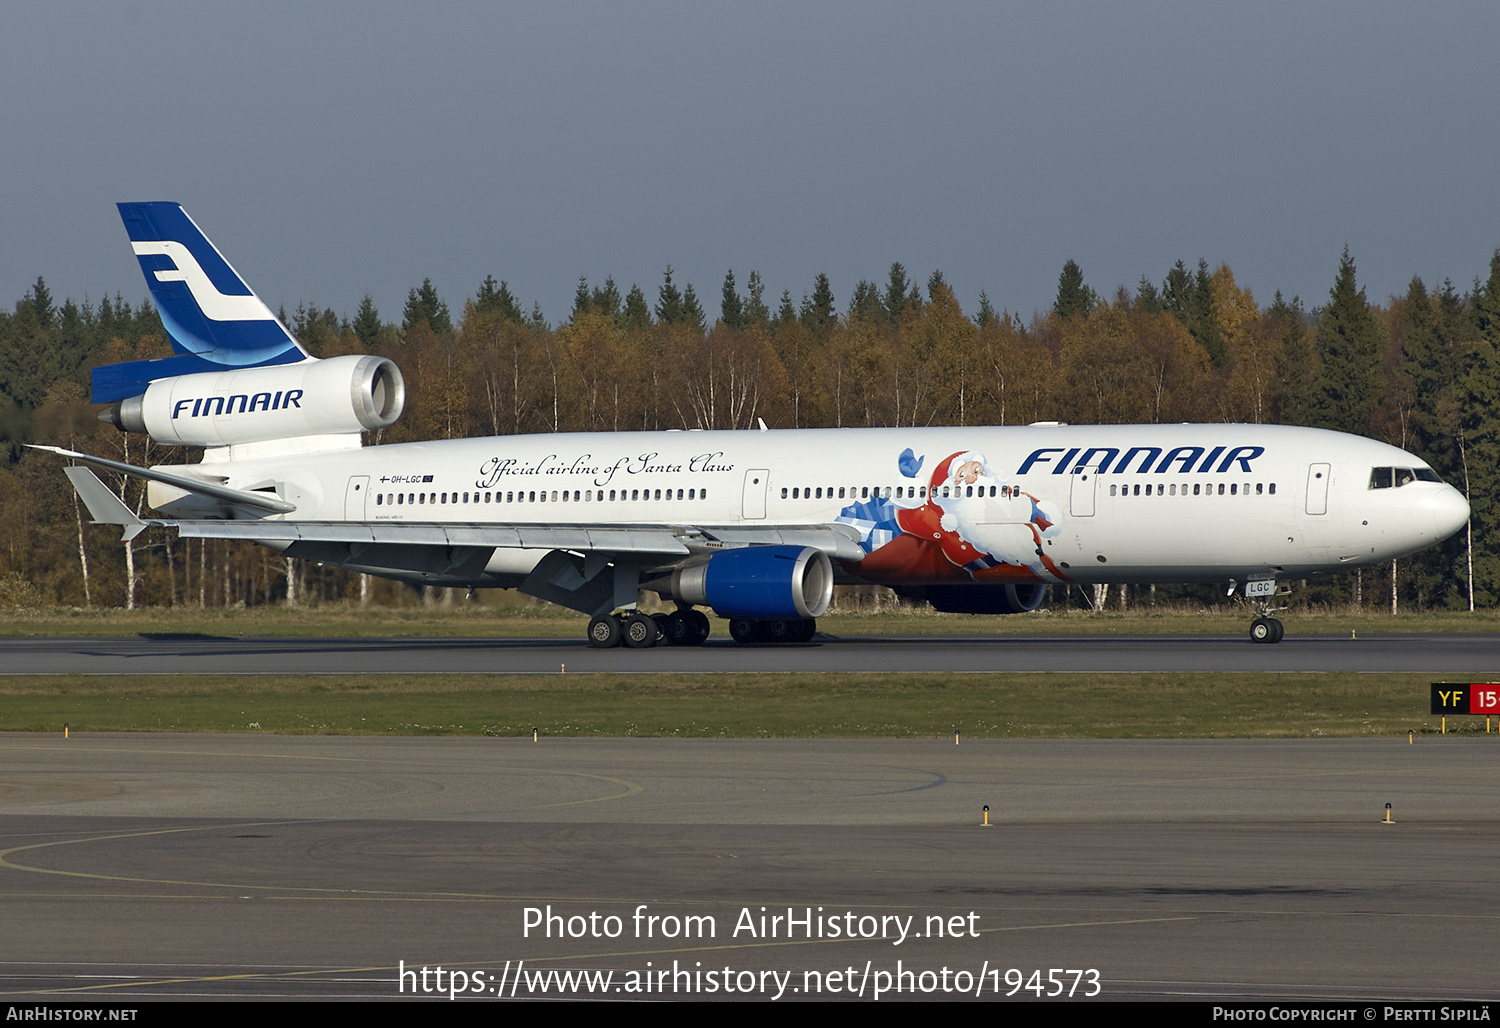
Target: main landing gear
x=746 y=631
x=690 y=627
x=639 y=631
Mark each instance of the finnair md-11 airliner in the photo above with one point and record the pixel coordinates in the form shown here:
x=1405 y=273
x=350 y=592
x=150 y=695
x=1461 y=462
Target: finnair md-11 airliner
x=757 y=525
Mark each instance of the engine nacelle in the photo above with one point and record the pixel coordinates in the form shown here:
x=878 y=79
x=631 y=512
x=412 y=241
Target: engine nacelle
x=760 y=582
x=337 y=396
x=985 y=599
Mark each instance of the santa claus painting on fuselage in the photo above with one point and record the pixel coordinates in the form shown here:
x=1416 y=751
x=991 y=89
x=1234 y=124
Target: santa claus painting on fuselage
x=968 y=527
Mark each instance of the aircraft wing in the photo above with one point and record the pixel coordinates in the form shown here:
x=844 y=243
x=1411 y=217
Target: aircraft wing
x=260 y=503
x=664 y=542
x=589 y=567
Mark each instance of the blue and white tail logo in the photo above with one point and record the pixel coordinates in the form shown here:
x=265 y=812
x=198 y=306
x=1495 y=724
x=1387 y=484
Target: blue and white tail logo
x=215 y=321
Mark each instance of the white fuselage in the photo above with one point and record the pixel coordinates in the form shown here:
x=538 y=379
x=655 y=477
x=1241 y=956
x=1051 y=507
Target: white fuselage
x=1113 y=503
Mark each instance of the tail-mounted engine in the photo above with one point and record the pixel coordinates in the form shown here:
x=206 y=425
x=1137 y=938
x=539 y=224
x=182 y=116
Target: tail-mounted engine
x=337 y=396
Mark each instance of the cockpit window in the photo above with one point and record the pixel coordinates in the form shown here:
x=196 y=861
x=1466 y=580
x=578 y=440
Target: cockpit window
x=1395 y=478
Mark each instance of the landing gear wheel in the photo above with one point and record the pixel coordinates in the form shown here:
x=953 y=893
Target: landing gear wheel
x=701 y=626
x=779 y=630
x=639 y=631
x=1262 y=630
x=744 y=630
x=1278 y=630
x=687 y=628
x=604 y=632
x=663 y=629
x=806 y=629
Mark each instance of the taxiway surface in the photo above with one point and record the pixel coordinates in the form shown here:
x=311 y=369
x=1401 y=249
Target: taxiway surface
x=1437 y=653
x=145 y=866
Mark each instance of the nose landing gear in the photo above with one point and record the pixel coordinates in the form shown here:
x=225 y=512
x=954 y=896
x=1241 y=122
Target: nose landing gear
x=1266 y=630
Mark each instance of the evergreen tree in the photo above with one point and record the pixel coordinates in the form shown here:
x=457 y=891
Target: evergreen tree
x=1350 y=383
x=669 y=301
x=366 y=323
x=692 y=310
x=606 y=300
x=787 y=313
x=40 y=298
x=637 y=315
x=986 y=313
x=866 y=305
x=732 y=308
x=424 y=306
x=895 y=293
x=1202 y=322
x=582 y=302
x=1073 y=297
x=756 y=311
x=1146 y=296
x=1177 y=292
x=1486 y=302
x=1479 y=436
x=818 y=314
x=1296 y=364
x=498 y=300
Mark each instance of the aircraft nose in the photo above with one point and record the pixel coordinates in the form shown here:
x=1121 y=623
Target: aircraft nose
x=1449 y=511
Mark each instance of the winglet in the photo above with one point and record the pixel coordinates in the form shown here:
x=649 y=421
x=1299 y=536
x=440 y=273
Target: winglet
x=104 y=506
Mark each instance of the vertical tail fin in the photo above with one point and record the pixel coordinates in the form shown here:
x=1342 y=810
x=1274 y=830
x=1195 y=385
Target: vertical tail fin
x=215 y=321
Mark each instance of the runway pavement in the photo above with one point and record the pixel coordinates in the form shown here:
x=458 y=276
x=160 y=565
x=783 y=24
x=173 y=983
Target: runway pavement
x=1437 y=653
x=144 y=866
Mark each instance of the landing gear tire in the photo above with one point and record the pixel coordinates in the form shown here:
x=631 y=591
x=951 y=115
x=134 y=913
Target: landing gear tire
x=1266 y=630
x=663 y=629
x=744 y=630
x=604 y=632
x=779 y=630
x=639 y=631
x=700 y=624
x=687 y=627
x=806 y=629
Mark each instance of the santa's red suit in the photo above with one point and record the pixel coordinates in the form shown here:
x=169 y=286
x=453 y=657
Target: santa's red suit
x=928 y=553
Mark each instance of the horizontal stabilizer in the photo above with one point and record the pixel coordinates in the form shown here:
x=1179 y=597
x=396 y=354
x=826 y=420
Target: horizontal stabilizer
x=104 y=506
x=239 y=497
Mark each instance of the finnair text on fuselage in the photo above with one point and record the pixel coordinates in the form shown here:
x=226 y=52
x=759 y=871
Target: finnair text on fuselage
x=208 y=406
x=1185 y=459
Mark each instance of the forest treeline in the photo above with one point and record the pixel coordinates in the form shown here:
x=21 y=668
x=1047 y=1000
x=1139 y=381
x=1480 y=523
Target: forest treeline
x=1419 y=371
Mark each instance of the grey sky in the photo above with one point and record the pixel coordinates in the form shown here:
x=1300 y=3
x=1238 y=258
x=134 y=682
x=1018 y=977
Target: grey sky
x=333 y=149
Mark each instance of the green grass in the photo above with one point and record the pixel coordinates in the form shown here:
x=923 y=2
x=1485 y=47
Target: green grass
x=1245 y=705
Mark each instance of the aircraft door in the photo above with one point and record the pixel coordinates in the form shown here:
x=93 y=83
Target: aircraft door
x=355 y=495
x=1317 y=488
x=757 y=480
x=1082 y=492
